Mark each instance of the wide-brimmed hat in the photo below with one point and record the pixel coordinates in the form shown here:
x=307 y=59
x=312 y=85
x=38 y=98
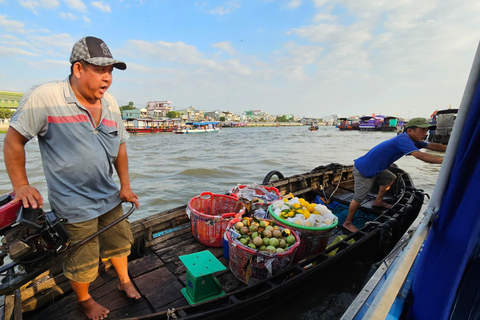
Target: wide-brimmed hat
x=96 y=52
x=420 y=123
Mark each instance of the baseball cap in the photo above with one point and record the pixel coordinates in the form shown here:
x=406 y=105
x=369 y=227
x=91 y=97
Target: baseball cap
x=96 y=52
x=420 y=123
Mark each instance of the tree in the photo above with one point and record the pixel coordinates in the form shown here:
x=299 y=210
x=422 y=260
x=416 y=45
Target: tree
x=173 y=114
x=282 y=119
x=5 y=113
x=128 y=107
x=222 y=119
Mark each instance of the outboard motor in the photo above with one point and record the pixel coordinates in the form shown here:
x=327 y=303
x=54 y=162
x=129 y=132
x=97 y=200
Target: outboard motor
x=33 y=240
x=29 y=235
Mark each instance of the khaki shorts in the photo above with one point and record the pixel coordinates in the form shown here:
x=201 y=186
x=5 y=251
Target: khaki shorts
x=364 y=185
x=81 y=265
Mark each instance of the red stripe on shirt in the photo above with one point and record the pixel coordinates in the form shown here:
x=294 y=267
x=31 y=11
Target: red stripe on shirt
x=68 y=119
x=109 y=123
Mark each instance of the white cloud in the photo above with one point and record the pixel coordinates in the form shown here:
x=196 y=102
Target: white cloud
x=76 y=5
x=225 y=46
x=101 y=5
x=15 y=51
x=11 y=25
x=294 y=4
x=68 y=16
x=49 y=4
x=86 y=19
x=227 y=7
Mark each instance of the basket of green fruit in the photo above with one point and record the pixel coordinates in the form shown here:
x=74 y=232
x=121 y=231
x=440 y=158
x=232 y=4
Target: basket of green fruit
x=259 y=248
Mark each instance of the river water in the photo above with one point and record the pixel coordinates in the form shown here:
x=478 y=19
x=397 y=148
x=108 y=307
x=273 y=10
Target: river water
x=166 y=170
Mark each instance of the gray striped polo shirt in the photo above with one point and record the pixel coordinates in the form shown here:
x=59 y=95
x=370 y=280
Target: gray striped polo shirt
x=77 y=156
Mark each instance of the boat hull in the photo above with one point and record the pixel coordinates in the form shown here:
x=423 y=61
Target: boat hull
x=161 y=238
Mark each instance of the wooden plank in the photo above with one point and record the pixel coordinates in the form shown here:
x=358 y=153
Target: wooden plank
x=144 y=264
x=159 y=287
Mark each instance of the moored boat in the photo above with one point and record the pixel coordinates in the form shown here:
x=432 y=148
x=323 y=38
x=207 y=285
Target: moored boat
x=198 y=127
x=160 y=239
x=444 y=120
x=147 y=125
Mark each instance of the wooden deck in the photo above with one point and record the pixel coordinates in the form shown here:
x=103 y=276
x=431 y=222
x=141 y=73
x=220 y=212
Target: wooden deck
x=158 y=274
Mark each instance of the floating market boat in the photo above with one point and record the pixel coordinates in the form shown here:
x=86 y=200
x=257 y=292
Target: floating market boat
x=198 y=127
x=143 y=125
x=444 y=120
x=348 y=124
x=163 y=239
x=434 y=273
x=313 y=127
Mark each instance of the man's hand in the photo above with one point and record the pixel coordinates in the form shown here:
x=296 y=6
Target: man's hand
x=127 y=195
x=29 y=196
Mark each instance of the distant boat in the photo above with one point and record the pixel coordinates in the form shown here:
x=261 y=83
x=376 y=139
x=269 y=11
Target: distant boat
x=148 y=125
x=392 y=124
x=444 y=119
x=371 y=123
x=313 y=127
x=347 y=124
x=199 y=127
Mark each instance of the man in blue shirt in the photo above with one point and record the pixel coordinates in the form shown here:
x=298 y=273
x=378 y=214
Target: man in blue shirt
x=372 y=167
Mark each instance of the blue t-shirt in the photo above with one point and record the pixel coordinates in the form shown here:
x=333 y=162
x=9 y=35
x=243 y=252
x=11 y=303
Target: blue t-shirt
x=384 y=154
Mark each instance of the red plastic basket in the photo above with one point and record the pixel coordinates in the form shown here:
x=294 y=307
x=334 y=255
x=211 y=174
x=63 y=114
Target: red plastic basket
x=210 y=214
x=251 y=266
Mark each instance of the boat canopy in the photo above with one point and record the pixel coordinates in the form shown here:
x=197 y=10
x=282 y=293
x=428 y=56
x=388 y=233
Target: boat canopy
x=445 y=259
x=202 y=123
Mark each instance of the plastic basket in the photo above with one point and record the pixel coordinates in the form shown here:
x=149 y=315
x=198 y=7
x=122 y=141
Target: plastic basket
x=251 y=266
x=210 y=213
x=312 y=240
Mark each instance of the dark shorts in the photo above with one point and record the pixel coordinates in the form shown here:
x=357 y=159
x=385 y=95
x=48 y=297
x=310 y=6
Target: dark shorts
x=81 y=265
x=364 y=185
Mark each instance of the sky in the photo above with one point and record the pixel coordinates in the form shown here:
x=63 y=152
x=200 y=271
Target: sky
x=404 y=58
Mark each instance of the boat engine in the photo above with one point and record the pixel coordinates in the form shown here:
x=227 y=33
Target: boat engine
x=30 y=236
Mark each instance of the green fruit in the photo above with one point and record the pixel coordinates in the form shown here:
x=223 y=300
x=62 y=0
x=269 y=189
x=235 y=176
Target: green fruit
x=262 y=248
x=263 y=224
x=277 y=233
x=238 y=225
x=269 y=228
x=279 y=250
x=245 y=222
x=243 y=241
x=266 y=241
x=254 y=235
x=271 y=249
x=282 y=243
x=253 y=228
x=258 y=241
x=291 y=239
x=267 y=234
x=274 y=242
x=251 y=245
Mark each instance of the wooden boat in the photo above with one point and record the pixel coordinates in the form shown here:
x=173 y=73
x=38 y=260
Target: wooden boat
x=347 y=124
x=444 y=120
x=142 y=126
x=199 y=127
x=160 y=239
x=313 y=128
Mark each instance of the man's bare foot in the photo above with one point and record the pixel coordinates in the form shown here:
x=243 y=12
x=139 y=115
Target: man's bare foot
x=350 y=227
x=381 y=205
x=92 y=309
x=129 y=289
